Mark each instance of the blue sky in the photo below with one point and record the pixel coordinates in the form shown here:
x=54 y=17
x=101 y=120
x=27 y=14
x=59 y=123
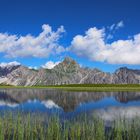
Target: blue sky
x=100 y=25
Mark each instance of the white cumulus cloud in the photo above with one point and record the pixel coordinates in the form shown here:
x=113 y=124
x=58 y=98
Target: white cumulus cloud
x=50 y=65
x=43 y=45
x=14 y=63
x=93 y=46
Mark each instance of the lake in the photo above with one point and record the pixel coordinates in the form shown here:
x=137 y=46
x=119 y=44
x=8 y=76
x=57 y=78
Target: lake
x=107 y=105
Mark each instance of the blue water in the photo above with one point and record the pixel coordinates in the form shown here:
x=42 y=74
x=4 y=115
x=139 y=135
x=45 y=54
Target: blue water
x=67 y=104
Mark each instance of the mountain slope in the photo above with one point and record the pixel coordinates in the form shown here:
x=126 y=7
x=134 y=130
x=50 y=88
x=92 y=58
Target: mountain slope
x=66 y=72
x=127 y=76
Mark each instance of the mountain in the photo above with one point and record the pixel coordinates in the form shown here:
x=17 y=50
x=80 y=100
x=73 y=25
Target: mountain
x=66 y=72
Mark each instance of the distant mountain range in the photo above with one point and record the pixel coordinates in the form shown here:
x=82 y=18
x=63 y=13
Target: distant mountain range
x=66 y=72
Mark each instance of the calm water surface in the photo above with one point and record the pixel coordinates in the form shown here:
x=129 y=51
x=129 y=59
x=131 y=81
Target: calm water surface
x=107 y=105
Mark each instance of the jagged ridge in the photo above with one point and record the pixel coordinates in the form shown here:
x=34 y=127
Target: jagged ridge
x=66 y=72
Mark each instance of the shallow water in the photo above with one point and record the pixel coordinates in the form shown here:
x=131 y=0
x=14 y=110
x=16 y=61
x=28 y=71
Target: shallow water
x=107 y=105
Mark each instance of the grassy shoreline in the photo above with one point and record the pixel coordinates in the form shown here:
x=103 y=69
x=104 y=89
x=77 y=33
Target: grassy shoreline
x=83 y=87
x=28 y=127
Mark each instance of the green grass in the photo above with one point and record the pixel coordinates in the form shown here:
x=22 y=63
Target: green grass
x=41 y=127
x=86 y=87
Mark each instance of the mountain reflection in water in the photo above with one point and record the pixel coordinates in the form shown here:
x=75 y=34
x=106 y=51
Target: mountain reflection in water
x=107 y=105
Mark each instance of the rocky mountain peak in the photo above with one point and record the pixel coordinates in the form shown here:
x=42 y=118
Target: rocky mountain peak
x=67 y=65
x=122 y=69
x=69 y=60
x=127 y=70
